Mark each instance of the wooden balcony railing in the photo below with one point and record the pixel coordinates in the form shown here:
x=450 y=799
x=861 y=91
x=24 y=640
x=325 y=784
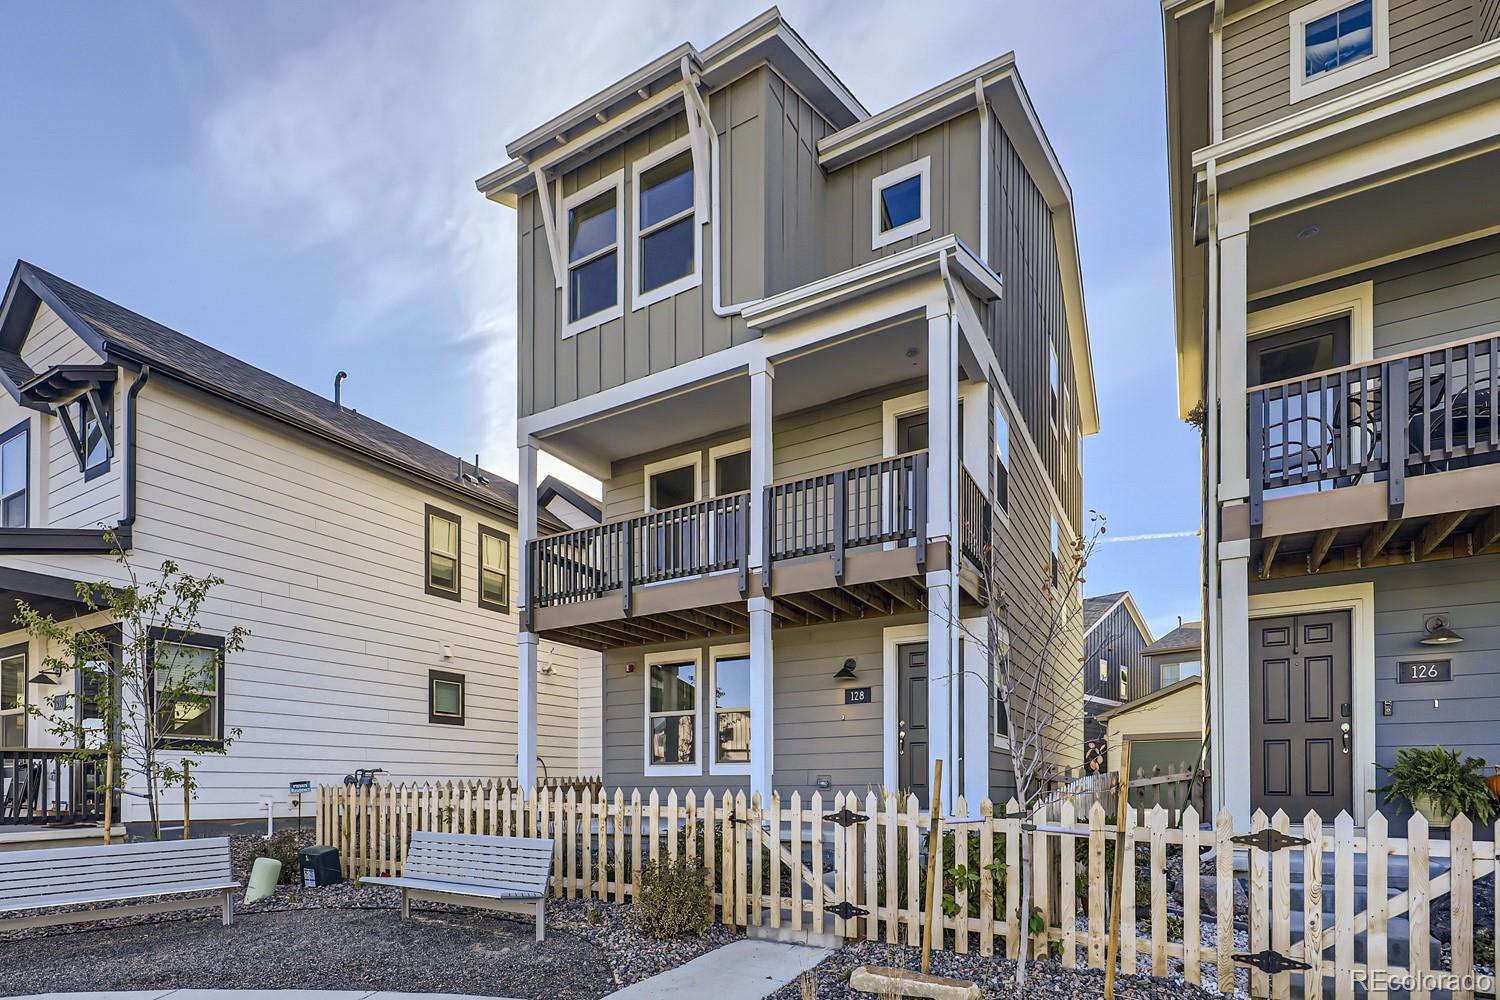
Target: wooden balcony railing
x=974 y=538
x=1428 y=411
x=708 y=536
x=40 y=786
x=885 y=501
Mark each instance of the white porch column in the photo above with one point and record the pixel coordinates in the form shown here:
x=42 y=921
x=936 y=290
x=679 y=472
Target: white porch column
x=526 y=641
x=762 y=660
x=1230 y=679
x=942 y=591
x=1233 y=339
x=977 y=741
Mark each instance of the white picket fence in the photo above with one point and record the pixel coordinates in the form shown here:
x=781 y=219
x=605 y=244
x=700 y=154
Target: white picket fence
x=851 y=866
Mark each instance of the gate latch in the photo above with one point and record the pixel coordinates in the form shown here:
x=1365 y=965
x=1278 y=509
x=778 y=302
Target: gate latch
x=1269 y=840
x=845 y=817
x=1271 y=962
x=846 y=910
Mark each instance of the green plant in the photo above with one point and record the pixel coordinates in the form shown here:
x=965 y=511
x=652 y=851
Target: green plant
x=1484 y=947
x=674 y=898
x=280 y=847
x=1453 y=782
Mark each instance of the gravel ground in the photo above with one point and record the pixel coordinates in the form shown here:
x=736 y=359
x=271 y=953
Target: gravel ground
x=1047 y=981
x=349 y=936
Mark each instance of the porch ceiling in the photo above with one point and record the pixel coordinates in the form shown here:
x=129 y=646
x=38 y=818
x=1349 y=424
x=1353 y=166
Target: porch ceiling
x=1395 y=541
x=49 y=595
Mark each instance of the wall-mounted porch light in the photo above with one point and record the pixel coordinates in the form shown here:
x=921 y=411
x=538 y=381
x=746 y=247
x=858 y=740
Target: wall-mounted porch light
x=846 y=672
x=1438 y=632
x=44 y=678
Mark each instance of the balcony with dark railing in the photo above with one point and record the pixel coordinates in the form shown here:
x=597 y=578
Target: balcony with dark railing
x=842 y=544
x=44 y=787
x=1384 y=461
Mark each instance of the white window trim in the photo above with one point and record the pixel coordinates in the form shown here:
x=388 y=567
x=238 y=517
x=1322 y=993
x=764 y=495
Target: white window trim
x=710 y=697
x=922 y=223
x=693 y=458
x=1357 y=301
x=718 y=451
x=641 y=299
x=1379 y=59
x=891 y=412
x=616 y=181
x=672 y=656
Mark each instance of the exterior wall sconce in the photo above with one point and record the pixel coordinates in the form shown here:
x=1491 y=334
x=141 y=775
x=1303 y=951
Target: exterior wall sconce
x=846 y=672
x=1438 y=632
x=44 y=678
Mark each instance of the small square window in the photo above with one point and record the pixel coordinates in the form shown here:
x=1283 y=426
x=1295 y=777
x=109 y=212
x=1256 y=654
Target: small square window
x=445 y=698
x=1103 y=669
x=1335 y=42
x=443 y=564
x=494 y=569
x=901 y=203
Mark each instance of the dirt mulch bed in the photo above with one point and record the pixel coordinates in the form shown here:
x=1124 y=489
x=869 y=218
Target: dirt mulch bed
x=996 y=976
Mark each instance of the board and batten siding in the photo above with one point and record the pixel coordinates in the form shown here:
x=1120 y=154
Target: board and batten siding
x=815 y=732
x=1489 y=20
x=556 y=369
x=1117 y=640
x=1426 y=300
x=1464 y=717
x=1258 y=53
x=62 y=496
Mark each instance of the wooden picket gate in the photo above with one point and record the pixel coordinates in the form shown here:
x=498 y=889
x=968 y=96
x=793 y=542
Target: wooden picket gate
x=852 y=866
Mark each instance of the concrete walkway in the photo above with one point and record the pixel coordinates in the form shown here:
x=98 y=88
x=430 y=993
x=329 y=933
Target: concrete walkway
x=742 y=970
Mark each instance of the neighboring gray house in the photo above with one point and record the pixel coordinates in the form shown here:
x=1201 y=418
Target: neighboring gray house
x=825 y=363
x=374 y=572
x=1174 y=657
x=1334 y=227
x=1114 y=634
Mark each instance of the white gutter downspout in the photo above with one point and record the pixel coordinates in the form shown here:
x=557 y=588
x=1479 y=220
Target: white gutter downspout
x=699 y=110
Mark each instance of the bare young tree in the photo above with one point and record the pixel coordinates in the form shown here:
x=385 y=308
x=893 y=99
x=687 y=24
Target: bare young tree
x=1035 y=680
x=149 y=686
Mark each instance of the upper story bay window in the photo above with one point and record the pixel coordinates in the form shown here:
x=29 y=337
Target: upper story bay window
x=595 y=265
x=665 y=224
x=1335 y=42
x=901 y=203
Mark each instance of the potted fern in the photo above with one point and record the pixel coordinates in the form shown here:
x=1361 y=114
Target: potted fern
x=1440 y=784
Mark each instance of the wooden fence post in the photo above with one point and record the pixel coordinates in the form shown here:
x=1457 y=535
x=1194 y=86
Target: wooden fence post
x=1122 y=818
x=934 y=856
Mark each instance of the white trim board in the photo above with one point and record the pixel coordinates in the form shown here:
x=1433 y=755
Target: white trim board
x=1359 y=600
x=1357 y=301
x=692 y=458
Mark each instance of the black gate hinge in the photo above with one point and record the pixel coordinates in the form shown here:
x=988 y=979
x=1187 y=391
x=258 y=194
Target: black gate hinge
x=1271 y=962
x=1269 y=840
x=845 y=817
x=846 y=910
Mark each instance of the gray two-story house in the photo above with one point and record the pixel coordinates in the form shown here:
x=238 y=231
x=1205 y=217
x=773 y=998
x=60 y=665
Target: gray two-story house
x=832 y=368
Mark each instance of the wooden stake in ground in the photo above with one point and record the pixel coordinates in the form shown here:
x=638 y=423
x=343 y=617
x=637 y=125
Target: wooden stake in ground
x=109 y=793
x=187 y=797
x=934 y=856
x=1122 y=816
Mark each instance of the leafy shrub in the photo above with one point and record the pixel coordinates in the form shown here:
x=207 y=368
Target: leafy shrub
x=281 y=847
x=674 y=898
x=1451 y=779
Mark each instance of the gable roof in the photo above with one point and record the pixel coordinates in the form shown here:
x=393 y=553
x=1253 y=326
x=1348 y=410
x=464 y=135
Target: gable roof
x=1185 y=637
x=552 y=487
x=125 y=337
x=1097 y=609
x=1125 y=708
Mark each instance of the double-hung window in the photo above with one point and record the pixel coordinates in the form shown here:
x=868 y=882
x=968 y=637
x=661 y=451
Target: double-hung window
x=1053 y=379
x=187 y=683
x=13 y=697
x=901 y=203
x=672 y=712
x=443 y=564
x=731 y=718
x=1002 y=457
x=665 y=224
x=494 y=569
x=595 y=264
x=15 y=474
x=1056 y=555
x=445 y=698
x=1335 y=42
x=95 y=441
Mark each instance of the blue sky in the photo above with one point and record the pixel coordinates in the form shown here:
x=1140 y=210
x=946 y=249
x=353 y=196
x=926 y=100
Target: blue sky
x=293 y=183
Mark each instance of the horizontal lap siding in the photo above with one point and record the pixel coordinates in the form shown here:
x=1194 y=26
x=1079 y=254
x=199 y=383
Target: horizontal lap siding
x=815 y=732
x=323 y=562
x=67 y=500
x=556 y=370
x=1258 y=53
x=1430 y=299
x=1467 y=716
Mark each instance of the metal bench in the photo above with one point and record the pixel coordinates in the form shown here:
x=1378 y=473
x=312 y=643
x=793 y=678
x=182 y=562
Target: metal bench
x=81 y=876
x=489 y=873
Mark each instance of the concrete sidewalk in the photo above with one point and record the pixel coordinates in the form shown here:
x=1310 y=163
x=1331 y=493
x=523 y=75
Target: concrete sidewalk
x=743 y=970
x=252 y=995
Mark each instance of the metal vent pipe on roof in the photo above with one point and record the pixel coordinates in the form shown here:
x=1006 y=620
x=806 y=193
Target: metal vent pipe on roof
x=338 y=388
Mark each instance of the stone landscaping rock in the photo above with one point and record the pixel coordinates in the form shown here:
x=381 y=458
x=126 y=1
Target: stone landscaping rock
x=888 y=982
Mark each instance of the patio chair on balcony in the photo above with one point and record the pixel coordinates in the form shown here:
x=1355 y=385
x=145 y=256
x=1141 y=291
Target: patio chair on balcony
x=23 y=790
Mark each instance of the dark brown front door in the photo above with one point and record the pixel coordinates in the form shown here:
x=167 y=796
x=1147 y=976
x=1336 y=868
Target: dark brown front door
x=1301 y=715
x=911 y=722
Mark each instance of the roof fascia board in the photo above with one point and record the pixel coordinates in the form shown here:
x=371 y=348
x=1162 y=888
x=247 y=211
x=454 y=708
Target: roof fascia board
x=1154 y=696
x=764 y=40
x=1107 y=612
x=1140 y=620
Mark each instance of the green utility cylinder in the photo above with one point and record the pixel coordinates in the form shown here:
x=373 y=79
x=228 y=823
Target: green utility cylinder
x=264 y=875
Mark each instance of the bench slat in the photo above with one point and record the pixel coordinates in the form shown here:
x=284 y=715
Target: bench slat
x=68 y=899
x=135 y=852
x=454 y=888
x=158 y=866
x=106 y=880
